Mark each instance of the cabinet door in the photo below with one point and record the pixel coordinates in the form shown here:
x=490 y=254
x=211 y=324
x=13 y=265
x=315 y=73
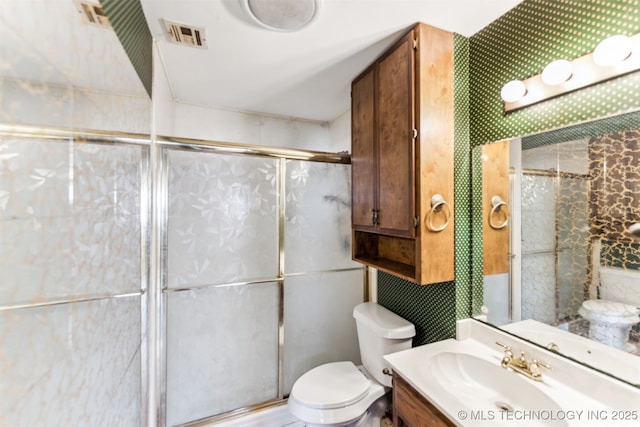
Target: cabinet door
x=363 y=152
x=396 y=173
x=411 y=409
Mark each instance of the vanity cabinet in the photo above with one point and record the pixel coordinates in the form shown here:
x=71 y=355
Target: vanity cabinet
x=382 y=155
x=402 y=159
x=411 y=409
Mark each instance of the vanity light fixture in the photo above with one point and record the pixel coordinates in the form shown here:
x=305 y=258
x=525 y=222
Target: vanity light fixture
x=613 y=57
x=557 y=72
x=612 y=50
x=513 y=91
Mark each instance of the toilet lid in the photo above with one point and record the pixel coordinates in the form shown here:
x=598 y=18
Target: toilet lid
x=610 y=308
x=332 y=385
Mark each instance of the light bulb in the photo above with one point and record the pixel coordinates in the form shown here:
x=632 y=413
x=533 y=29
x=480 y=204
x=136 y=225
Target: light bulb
x=557 y=72
x=612 y=50
x=513 y=91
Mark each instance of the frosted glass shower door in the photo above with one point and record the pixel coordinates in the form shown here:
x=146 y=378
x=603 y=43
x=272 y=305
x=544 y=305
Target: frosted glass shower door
x=222 y=294
x=223 y=219
x=259 y=277
x=317 y=217
x=538 y=248
x=573 y=245
x=322 y=284
x=71 y=349
x=222 y=350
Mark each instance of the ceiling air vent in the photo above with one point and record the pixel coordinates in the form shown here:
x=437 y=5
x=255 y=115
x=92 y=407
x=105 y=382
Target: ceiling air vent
x=93 y=13
x=185 y=34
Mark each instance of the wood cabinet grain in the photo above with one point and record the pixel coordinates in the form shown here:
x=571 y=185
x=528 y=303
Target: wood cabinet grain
x=411 y=409
x=402 y=156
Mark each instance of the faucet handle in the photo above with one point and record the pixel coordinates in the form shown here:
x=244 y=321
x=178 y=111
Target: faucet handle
x=507 y=350
x=508 y=355
x=534 y=368
x=522 y=359
x=540 y=363
x=506 y=347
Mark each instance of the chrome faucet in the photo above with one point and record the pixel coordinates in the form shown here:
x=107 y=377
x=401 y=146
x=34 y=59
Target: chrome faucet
x=530 y=369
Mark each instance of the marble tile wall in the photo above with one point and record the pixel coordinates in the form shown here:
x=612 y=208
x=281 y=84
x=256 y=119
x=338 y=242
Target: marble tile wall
x=71 y=364
x=615 y=200
x=572 y=228
x=70 y=230
x=47 y=104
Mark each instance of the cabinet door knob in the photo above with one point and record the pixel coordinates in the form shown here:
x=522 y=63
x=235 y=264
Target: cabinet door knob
x=374 y=216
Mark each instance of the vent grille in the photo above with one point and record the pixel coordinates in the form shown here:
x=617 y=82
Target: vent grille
x=185 y=34
x=93 y=13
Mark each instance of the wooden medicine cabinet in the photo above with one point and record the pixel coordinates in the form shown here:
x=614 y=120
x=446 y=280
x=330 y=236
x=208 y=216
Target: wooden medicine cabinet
x=402 y=159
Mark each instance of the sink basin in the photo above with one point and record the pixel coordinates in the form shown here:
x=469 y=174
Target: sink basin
x=487 y=393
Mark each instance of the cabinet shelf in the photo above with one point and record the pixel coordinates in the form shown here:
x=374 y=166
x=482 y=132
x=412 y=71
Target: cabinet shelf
x=398 y=269
x=394 y=255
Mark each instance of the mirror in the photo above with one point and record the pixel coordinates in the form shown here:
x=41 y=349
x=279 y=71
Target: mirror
x=560 y=241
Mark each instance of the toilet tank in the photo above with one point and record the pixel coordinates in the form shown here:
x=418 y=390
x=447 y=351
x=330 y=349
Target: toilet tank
x=380 y=332
x=620 y=285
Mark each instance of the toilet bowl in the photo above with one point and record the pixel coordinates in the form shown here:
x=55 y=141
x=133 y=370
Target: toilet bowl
x=337 y=394
x=343 y=394
x=610 y=322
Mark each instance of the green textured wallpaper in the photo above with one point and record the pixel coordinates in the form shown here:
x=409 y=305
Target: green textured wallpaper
x=524 y=40
x=128 y=21
x=433 y=309
x=516 y=46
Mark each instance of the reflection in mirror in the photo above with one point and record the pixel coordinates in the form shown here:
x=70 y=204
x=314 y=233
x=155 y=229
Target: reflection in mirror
x=573 y=280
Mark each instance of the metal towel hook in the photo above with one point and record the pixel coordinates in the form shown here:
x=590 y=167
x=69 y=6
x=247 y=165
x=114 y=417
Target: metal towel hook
x=437 y=205
x=498 y=205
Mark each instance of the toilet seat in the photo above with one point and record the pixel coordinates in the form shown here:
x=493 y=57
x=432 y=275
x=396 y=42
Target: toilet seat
x=333 y=394
x=609 y=311
x=610 y=308
x=332 y=385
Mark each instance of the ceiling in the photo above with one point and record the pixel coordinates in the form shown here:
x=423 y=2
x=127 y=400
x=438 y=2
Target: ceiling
x=304 y=74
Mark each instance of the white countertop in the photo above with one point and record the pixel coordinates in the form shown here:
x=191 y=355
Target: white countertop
x=583 y=397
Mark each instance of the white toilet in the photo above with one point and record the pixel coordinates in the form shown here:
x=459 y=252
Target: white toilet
x=341 y=394
x=610 y=322
x=612 y=315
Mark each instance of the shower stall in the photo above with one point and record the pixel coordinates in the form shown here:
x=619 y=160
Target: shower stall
x=186 y=279
x=555 y=242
